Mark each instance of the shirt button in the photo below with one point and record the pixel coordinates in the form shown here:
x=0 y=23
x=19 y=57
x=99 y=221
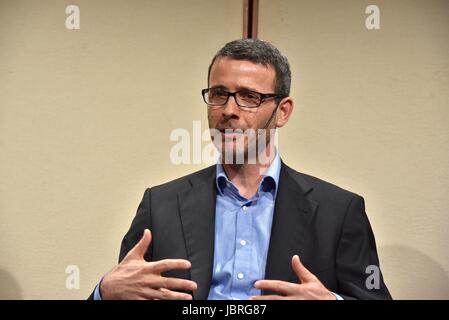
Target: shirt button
x=245 y=208
x=243 y=243
x=240 y=276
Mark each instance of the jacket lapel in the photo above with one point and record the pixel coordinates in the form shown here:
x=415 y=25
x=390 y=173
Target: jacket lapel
x=292 y=215
x=197 y=211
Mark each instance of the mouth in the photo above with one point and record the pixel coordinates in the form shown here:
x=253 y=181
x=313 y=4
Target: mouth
x=231 y=133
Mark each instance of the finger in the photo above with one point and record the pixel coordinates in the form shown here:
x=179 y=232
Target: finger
x=173 y=284
x=165 y=294
x=303 y=274
x=169 y=264
x=267 y=297
x=282 y=287
x=141 y=247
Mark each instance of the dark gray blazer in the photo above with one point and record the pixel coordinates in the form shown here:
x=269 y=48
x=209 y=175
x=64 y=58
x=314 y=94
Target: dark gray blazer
x=322 y=223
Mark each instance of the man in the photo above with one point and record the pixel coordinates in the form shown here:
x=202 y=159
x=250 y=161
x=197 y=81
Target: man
x=247 y=229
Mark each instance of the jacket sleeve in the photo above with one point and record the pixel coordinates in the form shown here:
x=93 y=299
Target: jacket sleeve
x=141 y=221
x=358 y=270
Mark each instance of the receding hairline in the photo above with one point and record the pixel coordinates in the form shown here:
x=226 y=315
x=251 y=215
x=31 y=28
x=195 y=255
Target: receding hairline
x=219 y=58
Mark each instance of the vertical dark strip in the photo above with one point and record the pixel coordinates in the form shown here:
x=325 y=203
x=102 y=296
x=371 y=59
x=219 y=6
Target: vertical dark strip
x=245 y=18
x=250 y=18
x=254 y=18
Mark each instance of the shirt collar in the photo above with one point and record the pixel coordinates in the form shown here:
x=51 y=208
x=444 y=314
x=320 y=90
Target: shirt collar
x=269 y=183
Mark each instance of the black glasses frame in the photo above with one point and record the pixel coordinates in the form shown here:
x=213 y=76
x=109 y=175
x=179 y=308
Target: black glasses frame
x=263 y=97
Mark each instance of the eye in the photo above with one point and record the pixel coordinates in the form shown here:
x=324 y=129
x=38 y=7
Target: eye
x=249 y=95
x=217 y=93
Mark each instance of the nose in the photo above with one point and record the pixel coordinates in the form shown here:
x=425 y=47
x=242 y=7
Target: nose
x=231 y=109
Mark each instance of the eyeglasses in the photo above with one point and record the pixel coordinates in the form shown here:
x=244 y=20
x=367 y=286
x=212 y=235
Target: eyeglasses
x=244 y=98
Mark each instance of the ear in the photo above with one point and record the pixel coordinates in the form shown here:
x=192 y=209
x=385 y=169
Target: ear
x=285 y=110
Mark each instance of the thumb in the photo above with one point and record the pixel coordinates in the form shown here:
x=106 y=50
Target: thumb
x=141 y=247
x=303 y=274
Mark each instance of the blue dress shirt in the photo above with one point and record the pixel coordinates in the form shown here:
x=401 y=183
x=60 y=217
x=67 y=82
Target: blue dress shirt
x=242 y=235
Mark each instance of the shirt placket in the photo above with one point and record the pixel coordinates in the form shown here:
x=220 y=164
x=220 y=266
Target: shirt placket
x=242 y=274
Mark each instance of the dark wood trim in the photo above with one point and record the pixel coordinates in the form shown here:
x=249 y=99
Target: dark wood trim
x=250 y=18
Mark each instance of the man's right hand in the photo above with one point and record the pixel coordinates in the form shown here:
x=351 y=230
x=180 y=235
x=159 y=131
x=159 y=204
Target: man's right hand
x=135 y=278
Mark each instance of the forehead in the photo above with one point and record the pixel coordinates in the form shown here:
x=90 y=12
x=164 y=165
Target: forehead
x=235 y=74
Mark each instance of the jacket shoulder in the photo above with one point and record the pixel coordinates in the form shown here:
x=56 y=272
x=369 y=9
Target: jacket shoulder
x=327 y=186
x=321 y=188
x=184 y=182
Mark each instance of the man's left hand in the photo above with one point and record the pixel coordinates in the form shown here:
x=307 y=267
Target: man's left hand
x=309 y=288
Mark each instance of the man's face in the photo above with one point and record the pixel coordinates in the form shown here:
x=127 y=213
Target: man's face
x=235 y=75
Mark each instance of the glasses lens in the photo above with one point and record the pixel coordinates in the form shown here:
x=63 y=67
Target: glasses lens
x=248 y=99
x=216 y=96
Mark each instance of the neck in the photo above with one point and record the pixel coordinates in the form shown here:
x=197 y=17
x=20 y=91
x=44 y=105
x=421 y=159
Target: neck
x=246 y=177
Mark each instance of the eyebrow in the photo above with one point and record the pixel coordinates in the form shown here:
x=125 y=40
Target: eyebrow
x=239 y=88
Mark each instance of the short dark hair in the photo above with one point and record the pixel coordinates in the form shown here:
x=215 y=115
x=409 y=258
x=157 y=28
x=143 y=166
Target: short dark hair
x=259 y=51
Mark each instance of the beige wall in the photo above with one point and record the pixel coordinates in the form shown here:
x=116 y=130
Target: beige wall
x=85 y=119
x=372 y=115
